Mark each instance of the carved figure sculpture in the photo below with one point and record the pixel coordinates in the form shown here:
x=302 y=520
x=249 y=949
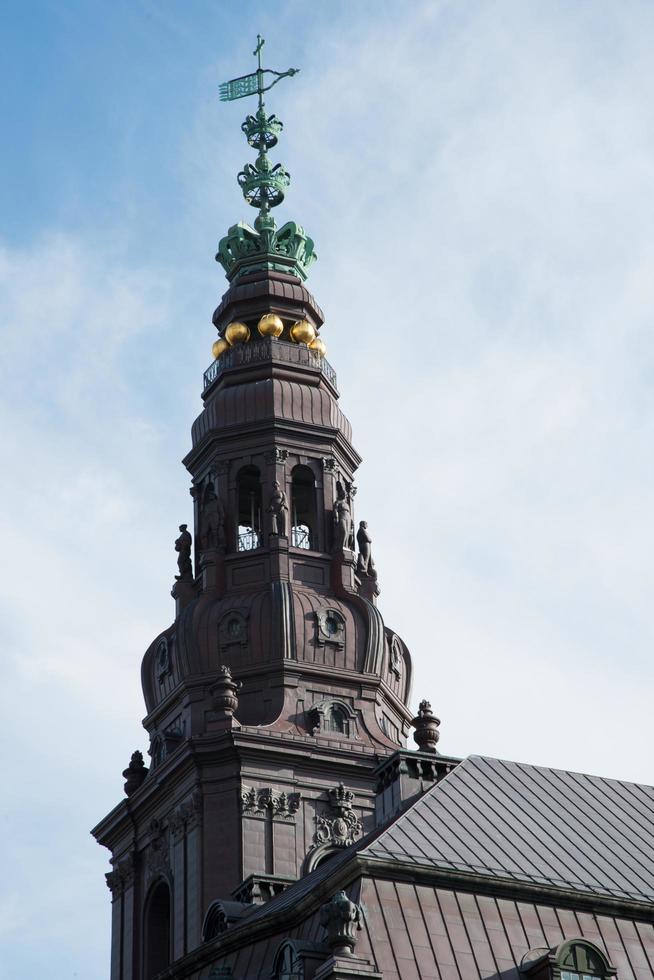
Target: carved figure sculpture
x=213 y=520
x=278 y=509
x=342 y=518
x=183 y=546
x=365 y=564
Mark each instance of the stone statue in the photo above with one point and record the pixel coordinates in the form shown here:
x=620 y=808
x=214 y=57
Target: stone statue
x=342 y=519
x=365 y=564
x=278 y=509
x=183 y=546
x=213 y=520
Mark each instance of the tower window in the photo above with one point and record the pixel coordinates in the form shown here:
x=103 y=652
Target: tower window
x=249 y=509
x=303 y=508
x=335 y=720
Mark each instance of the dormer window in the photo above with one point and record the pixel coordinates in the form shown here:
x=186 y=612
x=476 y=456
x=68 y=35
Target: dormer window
x=574 y=959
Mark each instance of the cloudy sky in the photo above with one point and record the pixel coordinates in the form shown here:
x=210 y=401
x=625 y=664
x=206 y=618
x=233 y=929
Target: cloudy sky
x=478 y=179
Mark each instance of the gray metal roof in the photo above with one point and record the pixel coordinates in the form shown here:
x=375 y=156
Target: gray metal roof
x=531 y=824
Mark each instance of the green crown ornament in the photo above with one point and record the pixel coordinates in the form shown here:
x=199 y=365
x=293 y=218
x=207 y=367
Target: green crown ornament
x=247 y=249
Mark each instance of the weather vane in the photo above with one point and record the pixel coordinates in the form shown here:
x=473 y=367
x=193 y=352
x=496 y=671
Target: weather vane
x=263 y=185
x=252 y=84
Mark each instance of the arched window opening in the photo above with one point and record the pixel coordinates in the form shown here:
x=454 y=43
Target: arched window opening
x=249 y=509
x=573 y=959
x=289 y=965
x=303 y=508
x=156 y=933
x=335 y=720
x=581 y=962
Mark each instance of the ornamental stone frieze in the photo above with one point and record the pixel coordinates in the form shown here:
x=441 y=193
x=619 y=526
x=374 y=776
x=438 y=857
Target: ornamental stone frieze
x=339 y=825
x=258 y=802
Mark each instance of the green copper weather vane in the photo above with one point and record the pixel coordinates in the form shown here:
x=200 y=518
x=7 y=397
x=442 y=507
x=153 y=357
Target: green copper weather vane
x=263 y=185
x=245 y=249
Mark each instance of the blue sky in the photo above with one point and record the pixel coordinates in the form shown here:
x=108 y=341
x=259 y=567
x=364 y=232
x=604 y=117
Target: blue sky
x=478 y=180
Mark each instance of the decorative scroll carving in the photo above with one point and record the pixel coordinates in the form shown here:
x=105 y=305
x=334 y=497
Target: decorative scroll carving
x=122 y=875
x=328 y=464
x=276 y=455
x=342 y=827
x=330 y=628
x=341 y=919
x=268 y=800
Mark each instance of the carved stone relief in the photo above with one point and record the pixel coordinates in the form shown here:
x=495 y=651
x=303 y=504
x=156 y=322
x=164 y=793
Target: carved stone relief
x=156 y=854
x=330 y=628
x=268 y=800
x=187 y=815
x=339 y=824
x=232 y=631
x=396 y=658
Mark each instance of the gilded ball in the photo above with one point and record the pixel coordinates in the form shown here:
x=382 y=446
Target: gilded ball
x=237 y=333
x=303 y=332
x=319 y=346
x=270 y=325
x=219 y=347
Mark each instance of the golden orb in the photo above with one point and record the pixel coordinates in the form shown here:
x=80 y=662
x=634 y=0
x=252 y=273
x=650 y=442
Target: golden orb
x=319 y=346
x=219 y=347
x=270 y=325
x=303 y=332
x=237 y=333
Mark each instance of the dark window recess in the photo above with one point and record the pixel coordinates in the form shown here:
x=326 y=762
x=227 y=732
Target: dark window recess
x=335 y=720
x=290 y=965
x=157 y=931
x=249 y=534
x=304 y=532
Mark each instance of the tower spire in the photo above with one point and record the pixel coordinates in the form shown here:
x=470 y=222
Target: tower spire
x=263 y=185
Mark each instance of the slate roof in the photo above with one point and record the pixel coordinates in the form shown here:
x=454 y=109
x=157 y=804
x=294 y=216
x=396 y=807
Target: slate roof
x=531 y=824
x=501 y=820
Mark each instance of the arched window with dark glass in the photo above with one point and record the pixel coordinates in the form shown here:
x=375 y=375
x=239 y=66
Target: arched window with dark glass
x=335 y=720
x=573 y=959
x=303 y=508
x=249 y=534
x=156 y=931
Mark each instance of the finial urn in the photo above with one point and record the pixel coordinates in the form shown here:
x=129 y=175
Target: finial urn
x=426 y=724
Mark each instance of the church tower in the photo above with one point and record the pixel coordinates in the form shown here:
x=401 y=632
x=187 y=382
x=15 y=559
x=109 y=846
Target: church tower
x=277 y=691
